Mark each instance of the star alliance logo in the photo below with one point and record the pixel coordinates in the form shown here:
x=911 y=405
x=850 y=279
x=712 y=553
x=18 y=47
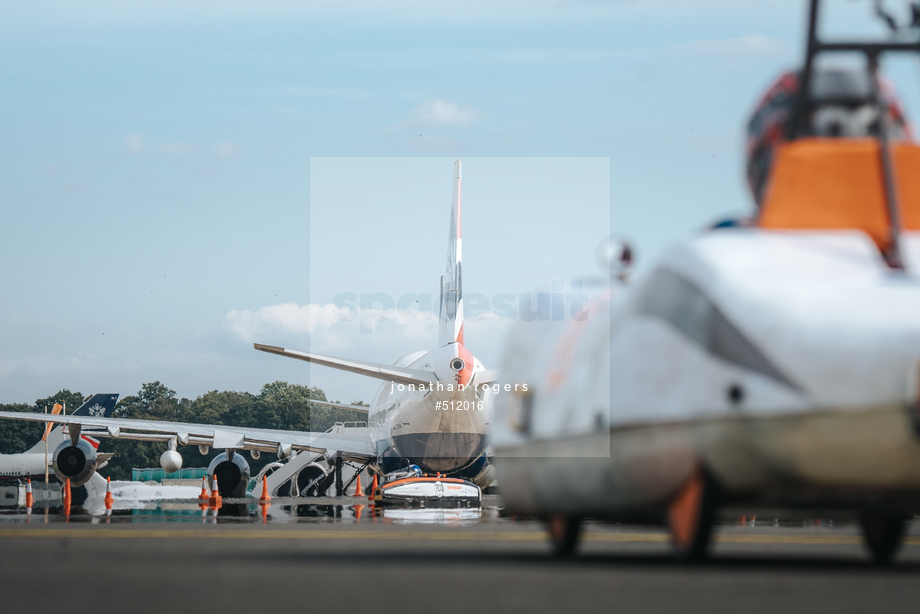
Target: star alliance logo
x=97 y=411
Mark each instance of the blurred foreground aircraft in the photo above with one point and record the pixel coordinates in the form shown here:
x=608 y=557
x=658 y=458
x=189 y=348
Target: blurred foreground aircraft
x=773 y=365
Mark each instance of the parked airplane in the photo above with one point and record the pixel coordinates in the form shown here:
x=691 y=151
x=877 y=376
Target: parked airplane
x=772 y=365
x=67 y=461
x=432 y=409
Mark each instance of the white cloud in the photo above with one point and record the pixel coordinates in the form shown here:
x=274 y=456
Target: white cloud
x=444 y=112
x=438 y=113
x=297 y=319
x=50 y=364
x=326 y=323
x=363 y=332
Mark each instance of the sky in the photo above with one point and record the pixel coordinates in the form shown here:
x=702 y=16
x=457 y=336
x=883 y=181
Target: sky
x=179 y=180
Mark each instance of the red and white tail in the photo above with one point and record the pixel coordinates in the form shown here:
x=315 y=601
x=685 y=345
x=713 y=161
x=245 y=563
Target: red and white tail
x=450 y=328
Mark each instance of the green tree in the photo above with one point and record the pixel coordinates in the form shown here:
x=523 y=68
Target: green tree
x=17 y=436
x=70 y=400
x=154 y=402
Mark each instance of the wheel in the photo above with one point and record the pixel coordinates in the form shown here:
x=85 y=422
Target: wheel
x=563 y=534
x=883 y=533
x=691 y=515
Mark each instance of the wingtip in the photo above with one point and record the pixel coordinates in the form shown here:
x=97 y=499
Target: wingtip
x=274 y=349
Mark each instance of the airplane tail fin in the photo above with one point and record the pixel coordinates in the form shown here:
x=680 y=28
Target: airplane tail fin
x=98 y=405
x=450 y=328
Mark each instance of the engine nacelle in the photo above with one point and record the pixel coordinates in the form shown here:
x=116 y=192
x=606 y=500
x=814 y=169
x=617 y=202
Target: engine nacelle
x=171 y=461
x=232 y=473
x=76 y=463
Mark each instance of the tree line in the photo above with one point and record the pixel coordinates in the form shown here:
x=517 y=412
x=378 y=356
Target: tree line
x=278 y=405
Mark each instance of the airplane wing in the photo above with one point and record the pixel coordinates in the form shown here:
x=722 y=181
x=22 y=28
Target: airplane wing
x=390 y=373
x=354 y=443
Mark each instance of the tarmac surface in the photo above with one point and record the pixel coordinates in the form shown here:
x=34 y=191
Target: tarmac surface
x=180 y=560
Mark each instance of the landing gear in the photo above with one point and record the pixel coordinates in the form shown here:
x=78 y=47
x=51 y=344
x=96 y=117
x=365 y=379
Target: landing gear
x=563 y=533
x=691 y=515
x=883 y=533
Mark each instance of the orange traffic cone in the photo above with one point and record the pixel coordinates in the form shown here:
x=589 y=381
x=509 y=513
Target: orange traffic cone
x=370 y=497
x=204 y=496
x=29 y=499
x=265 y=499
x=358 y=492
x=215 y=499
x=109 y=500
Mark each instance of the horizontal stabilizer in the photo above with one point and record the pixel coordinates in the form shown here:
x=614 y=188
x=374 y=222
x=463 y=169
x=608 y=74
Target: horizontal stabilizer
x=400 y=375
x=484 y=377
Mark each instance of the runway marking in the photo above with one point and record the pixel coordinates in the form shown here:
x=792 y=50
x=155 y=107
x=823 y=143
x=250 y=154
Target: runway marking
x=506 y=536
x=274 y=534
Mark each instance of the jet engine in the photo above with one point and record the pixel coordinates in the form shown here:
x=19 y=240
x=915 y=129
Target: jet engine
x=171 y=461
x=312 y=481
x=232 y=472
x=76 y=463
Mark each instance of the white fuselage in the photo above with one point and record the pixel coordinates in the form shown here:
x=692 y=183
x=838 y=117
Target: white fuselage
x=441 y=427
x=25 y=465
x=784 y=363
x=32 y=463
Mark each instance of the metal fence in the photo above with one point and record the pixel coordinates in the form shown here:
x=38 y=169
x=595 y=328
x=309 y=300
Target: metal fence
x=158 y=475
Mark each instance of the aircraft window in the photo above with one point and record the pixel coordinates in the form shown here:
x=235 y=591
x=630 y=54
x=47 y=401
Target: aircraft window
x=681 y=304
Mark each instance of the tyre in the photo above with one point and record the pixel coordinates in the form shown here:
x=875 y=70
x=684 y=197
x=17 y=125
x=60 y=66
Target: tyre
x=691 y=515
x=563 y=534
x=883 y=533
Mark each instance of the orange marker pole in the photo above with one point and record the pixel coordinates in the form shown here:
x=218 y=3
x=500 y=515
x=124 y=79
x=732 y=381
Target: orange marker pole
x=358 y=492
x=29 y=499
x=67 y=498
x=265 y=499
x=370 y=497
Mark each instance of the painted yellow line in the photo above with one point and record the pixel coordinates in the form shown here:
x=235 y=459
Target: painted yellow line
x=624 y=537
x=738 y=538
x=273 y=534
x=371 y=535
x=789 y=539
